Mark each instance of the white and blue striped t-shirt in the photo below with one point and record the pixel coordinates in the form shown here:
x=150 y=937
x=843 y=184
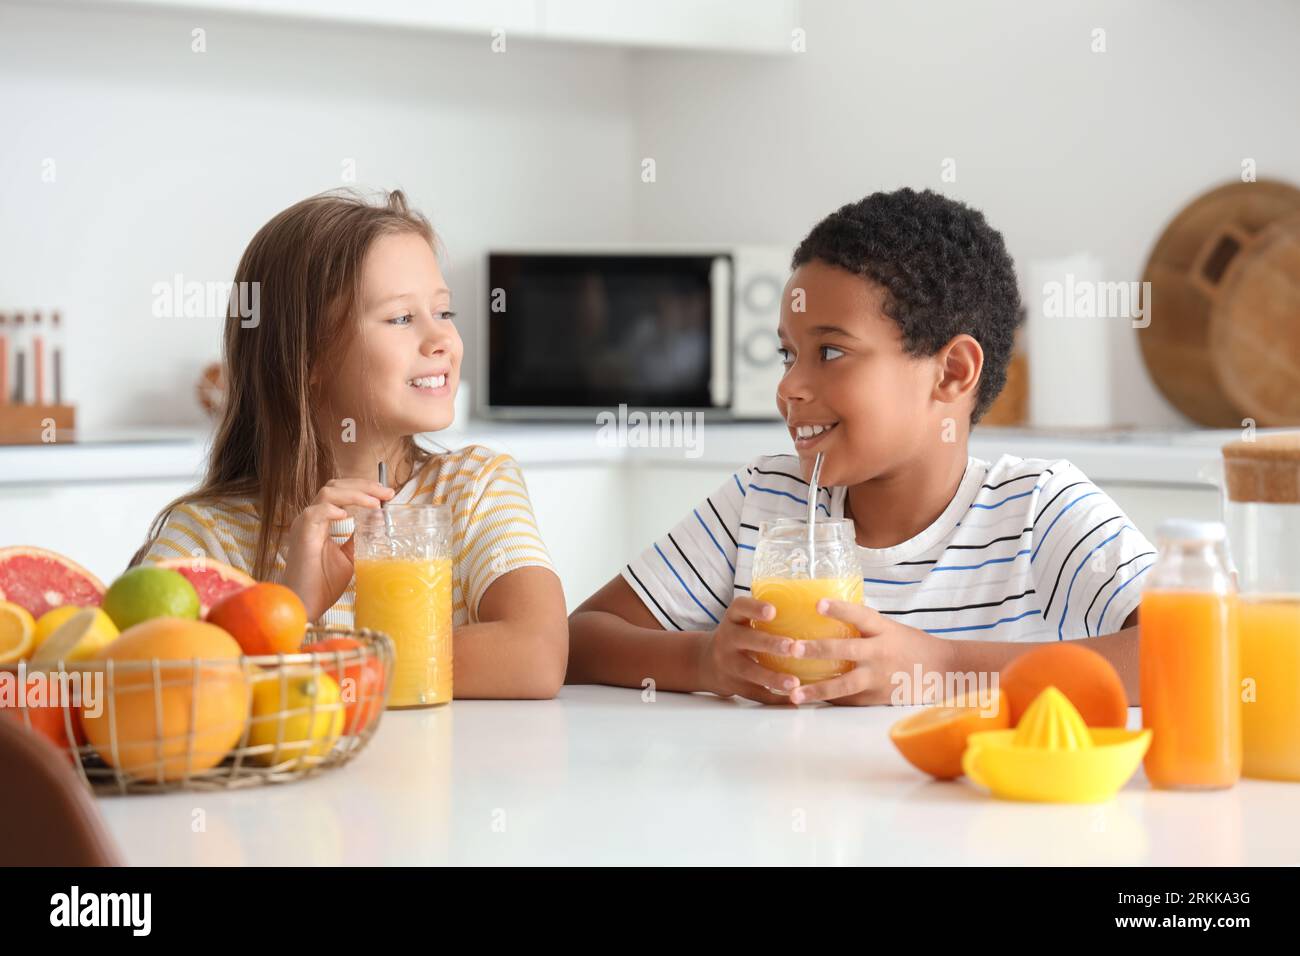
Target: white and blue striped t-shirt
x=1027 y=550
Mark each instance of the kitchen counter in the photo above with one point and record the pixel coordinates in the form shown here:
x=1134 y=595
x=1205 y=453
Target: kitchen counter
x=1155 y=456
x=599 y=776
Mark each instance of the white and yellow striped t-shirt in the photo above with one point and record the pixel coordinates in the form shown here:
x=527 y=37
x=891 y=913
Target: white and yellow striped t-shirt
x=493 y=528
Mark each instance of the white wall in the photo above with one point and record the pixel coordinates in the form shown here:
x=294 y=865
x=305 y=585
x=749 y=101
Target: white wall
x=168 y=161
x=1065 y=150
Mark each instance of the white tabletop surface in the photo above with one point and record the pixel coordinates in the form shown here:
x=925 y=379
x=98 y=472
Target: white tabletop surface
x=601 y=776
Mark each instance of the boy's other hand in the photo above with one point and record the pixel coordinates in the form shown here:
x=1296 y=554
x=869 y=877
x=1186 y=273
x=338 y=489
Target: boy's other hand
x=885 y=648
x=726 y=667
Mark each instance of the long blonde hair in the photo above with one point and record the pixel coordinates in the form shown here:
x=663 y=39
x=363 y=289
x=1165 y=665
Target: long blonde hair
x=307 y=262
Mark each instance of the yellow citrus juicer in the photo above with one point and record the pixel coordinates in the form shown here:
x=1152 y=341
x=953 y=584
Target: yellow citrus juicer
x=1053 y=757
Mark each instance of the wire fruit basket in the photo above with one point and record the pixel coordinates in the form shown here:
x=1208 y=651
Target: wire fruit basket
x=164 y=725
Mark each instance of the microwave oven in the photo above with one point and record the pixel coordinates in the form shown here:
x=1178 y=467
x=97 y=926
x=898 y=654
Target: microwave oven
x=571 y=333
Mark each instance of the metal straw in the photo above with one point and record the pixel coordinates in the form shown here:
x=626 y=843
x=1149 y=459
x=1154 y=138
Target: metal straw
x=388 y=519
x=812 y=509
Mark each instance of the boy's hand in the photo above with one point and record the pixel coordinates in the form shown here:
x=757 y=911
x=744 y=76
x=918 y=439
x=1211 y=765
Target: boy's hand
x=885 y=648
x=726 y=667
x=317 y=569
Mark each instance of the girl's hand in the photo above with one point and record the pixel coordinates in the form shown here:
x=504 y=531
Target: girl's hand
x=885 y=649
x=317 y=569
x=726 y=667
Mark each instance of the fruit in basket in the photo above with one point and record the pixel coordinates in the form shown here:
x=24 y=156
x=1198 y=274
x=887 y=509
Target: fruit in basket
x=203 y=707
x=45 y=719
x=38 y=580
x=933 y=740
x=361 y=681
x=265 y=619
x=211 y=579
x=297 y=717
x=1086 y=678
x=17 y=633
x=148 y=591
x=95 y=632
x=39 y=705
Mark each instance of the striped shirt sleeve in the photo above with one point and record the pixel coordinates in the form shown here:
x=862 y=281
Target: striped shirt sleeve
x=192 y=531
x=687 y=578
x=1088 y=559
x=496 y=528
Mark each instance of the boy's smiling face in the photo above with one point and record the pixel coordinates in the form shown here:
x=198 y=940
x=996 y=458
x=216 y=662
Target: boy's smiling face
x=846 y=371
x=402 y=368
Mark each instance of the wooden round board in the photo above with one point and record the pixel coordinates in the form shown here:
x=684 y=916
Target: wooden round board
x=1255 y=326
x=1182 y=272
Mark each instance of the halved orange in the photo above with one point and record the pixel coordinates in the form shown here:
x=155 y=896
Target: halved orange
x=17 y=632
x=933 y=740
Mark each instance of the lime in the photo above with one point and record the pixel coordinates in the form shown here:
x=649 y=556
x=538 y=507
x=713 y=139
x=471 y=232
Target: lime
x=147 y=592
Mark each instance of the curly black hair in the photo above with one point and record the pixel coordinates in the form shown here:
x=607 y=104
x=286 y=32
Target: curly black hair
x=945 y=271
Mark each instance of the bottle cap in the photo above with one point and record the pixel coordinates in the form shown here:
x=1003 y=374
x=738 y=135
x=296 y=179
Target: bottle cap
x=1187 y=529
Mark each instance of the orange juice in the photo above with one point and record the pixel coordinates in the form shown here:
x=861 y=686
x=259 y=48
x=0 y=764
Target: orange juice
x=795 y=601
x=1190 y=687
x=409 y=599
x=1270 y=709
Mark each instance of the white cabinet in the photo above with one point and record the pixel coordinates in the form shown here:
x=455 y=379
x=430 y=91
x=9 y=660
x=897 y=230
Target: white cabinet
x=664 y=494
x=581 y=514
x=97 y=524
x=1147 y=505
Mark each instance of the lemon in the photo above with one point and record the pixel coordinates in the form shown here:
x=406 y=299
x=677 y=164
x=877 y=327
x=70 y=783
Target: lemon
x=17 y=633
x=101 y=632
x=282 y=713
x=147 y=592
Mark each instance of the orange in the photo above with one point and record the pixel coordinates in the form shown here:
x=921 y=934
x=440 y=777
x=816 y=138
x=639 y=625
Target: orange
x=17 y=633
x=934 y=739
x=191 y=720
x=1086 y=678
x=47 y=720
x=265 y=619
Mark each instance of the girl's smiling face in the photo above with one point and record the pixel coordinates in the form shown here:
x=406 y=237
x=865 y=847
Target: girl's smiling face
x=401 y=370
x=849 y=390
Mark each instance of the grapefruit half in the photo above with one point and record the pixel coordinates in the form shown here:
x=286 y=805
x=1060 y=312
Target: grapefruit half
x=39 y=580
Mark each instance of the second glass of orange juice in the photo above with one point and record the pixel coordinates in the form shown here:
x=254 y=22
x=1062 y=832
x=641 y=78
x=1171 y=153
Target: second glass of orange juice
x=404 y=568
x=792 y=575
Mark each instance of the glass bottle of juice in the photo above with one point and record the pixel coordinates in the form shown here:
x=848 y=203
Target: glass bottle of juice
x=403 y=568
x=793 y=581
x=1261 y=507
x=1189 y=660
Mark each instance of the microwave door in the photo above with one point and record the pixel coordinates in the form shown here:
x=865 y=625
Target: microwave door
x=720 y=339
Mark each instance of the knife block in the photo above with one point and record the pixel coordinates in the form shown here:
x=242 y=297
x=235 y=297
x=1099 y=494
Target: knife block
x=31 y=424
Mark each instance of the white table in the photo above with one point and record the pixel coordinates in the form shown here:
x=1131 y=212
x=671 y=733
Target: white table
x=600 y=776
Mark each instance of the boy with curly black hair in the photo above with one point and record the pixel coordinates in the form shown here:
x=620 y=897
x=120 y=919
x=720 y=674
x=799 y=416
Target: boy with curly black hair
x=896 y=329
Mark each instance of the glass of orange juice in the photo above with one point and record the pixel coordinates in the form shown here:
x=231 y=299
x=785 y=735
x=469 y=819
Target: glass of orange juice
x=403 y=568
x=1261 y=508
x=792 y=573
